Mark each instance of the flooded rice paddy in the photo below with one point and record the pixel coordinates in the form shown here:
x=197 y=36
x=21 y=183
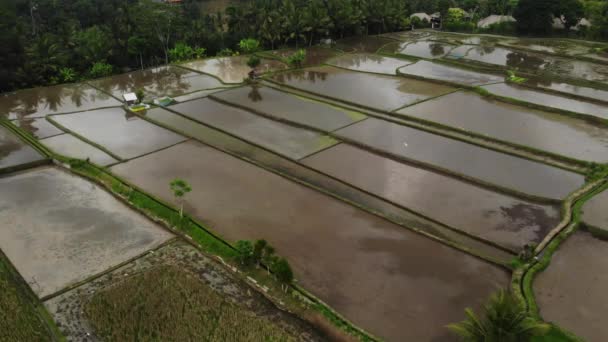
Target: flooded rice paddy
x=39 y=128
x=470 y=160
x=375 y=91
x=339 y=253
x=292 y=142
x=549 y=100
x=591 y=93
x=14 y=152
x=315 y=55
x=499 y=218
x=441 y=72
x=38 y=102
x=232 y=69
x=571 y=292
x=423 y=49
x=120 y=132
x=369 y=44
x=59 y=229
x=69 y=146
x=163 y=81
x=595 y=211
x=369 y=63
x=290 y=107
x=558 y=134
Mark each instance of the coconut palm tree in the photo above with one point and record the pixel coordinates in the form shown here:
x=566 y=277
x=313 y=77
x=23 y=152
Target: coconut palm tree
x=503 y=319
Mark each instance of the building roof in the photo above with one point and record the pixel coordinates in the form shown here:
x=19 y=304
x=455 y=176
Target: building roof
x=494 y=19
x=129 y=97
x=421 y=16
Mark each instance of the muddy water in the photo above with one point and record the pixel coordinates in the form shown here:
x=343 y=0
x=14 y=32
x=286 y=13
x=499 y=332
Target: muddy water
x=579 y=69
x=70 y=146
x=38 y=102
x=595 y=212
x=170 y=81
x=121 y=133
x=286 y=140
x=493 y=167
x=59 y=229
x=369 y=63
x=591 y=93
x=40 y=128
x=14 y=152
x=450 y=74
x=314 y=55
x=549 y=100
x=550 y=132
x=571 y=292
x=506 y=57
x=459 y=52
x=375 y=91
x=505 y=220
x=343 y=255
x=369 y=44
x=424 y=49
x=232 y=69
x=290 y=107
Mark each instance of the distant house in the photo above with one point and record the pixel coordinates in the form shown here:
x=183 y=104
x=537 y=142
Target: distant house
x=558 y=23
x=494 y=19
x=436 y=20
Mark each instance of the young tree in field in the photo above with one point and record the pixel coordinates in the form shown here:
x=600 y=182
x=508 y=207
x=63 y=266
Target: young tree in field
x=570 y=12
x=503 y=319
x=268 y=257
x=297 y=58
x=245 y=252
x=283 y=272
x=180 y=188
x=258 y=250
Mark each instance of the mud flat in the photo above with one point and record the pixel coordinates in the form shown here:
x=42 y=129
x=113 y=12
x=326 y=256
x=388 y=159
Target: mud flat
x=595 y=212
x=571 y=292
x=375 y=91
x=232 y=69
x=441 y=72
x=164 y=81
x=121 y=133
x=345 y=256
x=290 y=107
x=70 y=146
x=14 y=152
x=40 y=128
x=549 y=100
x=504 y=220
x=369 y=63
x=59 y=229
x=505 y=170
x=38 y=102
x=558 y=134
x=292 y=142
x=163 y=283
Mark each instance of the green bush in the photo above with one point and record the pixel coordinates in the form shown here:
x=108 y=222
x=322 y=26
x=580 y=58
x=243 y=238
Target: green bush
x=67 y=75
x=184 y=52
x=253 y=61
x=100 y=69
x=226 y=53
x=249 y=45
x=297 y=58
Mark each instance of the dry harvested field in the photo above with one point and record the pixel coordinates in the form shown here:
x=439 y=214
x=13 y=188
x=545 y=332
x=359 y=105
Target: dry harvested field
x=400 y=175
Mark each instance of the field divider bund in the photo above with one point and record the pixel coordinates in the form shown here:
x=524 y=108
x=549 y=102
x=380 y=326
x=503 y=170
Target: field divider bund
x=396 y=219
x=412 y=121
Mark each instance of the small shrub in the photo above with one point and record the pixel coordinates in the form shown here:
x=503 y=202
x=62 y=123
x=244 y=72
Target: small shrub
x=283 y=272
x=245 y=252
x=253 y=61
x=67 y=75
x=297 y=59
x=226 y=52
x=514 y=78
x=100 y=69
x=183 y=52
x=249 y=45
x=140 y=94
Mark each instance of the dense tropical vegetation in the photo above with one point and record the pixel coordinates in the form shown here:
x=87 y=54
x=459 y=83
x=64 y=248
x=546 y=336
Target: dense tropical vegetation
x=52 y=41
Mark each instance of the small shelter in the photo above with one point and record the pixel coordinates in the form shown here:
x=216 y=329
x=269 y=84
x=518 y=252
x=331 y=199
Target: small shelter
x=130 y=98
x=436 y=20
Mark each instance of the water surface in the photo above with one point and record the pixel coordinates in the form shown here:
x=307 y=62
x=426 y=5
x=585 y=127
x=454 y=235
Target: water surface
x=450 y=74
x=375 y=91
x=424 y=49
x=558 y=134
x=121 y=133
x=369 y=63
x=315 y=55
x=232 y=69
x=70 y=146
x=591 y=93
x=40 y=128
x=595 y=211
x=504 y=170
x=14 y=152
x=362 y=43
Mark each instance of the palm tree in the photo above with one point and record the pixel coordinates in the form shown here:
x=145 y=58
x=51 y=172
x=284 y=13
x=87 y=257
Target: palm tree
x=503 y=320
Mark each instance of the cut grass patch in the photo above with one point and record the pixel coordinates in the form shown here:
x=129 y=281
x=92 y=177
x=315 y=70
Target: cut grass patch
x=167 y=304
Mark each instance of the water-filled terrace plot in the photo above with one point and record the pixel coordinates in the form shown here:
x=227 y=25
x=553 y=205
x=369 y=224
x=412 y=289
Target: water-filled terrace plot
x=502 y=219
x=367 y=90
x=38 y=102
x=595 y=214
x=420 y=49
x=69 y=146
x=369 y=63
x=369 y=44
x=232 y=69
x=315 y=55
x=289 y=141
x=163 y=81
x=14 y=152
x=471 y=161
x=549 y=100
x=119 y=132
x=58 y=229
x=342 y=254
x=39 y=128
x=543 y=131
x=440 y=72
x=285 y=106
x=586 y=92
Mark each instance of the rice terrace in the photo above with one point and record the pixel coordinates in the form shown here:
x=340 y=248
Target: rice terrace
x=398 y=180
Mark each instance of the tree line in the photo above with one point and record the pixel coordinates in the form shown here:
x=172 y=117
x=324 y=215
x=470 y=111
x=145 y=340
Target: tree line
x=53 y=41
